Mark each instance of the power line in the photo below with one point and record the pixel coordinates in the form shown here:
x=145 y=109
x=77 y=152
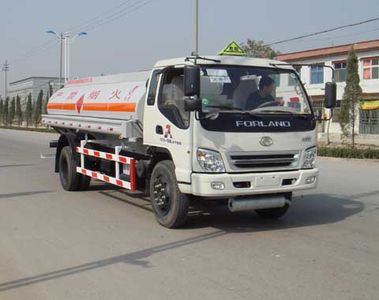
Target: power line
x=322 y=32
x=35 y=50
x=97 y=17
x=104 y=18
x=336 y=37
x=112 y=17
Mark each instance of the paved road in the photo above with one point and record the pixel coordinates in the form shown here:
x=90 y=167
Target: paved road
x=103 y=244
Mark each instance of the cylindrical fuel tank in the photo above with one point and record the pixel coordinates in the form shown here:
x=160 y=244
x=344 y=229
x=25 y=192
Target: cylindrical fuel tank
x=110 y=97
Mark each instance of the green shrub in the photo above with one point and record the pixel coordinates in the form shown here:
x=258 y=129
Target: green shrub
x=368 y=153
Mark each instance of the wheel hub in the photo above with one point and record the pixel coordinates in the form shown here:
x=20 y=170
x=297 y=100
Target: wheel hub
x=161 y=194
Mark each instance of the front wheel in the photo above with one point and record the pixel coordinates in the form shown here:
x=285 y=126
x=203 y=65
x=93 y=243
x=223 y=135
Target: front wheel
x=170 y=206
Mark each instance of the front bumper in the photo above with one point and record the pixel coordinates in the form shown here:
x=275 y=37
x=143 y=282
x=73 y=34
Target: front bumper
x=249 y=183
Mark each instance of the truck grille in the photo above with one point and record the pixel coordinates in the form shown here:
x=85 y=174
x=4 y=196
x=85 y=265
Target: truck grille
x=265 y=160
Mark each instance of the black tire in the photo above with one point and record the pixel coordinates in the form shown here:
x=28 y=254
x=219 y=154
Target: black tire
x=70 y=179
x=170 y=206
x=272 y=213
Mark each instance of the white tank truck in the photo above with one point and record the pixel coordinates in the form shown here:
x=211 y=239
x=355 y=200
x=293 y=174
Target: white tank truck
x=181 y=131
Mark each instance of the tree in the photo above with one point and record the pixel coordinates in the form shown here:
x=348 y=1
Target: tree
x=6 y=112
x=12 y=111
x=18 y=111
x=49 y=92
x=28 y=110
x=44 y=105
x=351 y=97
x=1 y=111
x=258 y=49
x=38 y=109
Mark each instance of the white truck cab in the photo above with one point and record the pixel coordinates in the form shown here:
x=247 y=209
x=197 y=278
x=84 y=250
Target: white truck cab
x=217 y=127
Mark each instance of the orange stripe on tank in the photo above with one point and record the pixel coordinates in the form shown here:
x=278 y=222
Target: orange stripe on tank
x=114 y=107
x=127 y=107
x=63 y=106
x=130 y=107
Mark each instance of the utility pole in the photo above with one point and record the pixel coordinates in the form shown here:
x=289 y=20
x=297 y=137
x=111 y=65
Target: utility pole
x=196 y=29
x=61 y=60
x=65 y=38
x=5 y=69
x=60 y=38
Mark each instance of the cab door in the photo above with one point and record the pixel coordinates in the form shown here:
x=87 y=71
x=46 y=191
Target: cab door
x=166 y=124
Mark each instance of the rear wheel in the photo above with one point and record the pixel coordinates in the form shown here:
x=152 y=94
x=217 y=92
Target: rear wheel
x=170 y=206
x=70 y=179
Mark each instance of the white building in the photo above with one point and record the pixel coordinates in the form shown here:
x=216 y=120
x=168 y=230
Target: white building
x=314 y=78
x=32 y=85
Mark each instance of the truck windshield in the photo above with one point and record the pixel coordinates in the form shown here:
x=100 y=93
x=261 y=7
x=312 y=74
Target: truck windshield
x=252 y=89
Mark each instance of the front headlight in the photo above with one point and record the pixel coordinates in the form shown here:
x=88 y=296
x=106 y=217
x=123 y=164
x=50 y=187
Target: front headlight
x=210 y=161
x=309 y=160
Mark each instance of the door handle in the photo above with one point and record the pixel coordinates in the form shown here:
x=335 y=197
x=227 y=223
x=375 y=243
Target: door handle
x=158 y=129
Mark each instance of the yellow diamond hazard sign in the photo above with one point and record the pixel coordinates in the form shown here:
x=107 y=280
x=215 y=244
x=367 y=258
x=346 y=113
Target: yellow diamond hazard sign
x=232 y=49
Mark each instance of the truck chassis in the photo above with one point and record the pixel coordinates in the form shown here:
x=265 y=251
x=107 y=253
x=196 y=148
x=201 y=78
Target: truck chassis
x=127 y=162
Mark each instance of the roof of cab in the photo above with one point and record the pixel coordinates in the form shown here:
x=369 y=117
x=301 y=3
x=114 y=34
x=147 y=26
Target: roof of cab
x=144 y=75
x=225 y=60
x=112 y=78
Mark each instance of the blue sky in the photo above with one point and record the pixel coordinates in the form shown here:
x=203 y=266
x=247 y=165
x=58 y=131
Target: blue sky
x=163 y=29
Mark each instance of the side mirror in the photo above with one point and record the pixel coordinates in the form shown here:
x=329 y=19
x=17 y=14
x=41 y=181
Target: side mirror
x=192 y=104
x=330 y=94
x=191 y=81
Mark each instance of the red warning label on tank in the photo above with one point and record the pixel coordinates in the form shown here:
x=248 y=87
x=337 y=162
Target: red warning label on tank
x=79 y=104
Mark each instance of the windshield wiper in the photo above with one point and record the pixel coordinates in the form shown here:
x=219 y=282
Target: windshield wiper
x=279 y=111
x=203 y=58
x=270 y=111
x=224 y=107
x=213 y=115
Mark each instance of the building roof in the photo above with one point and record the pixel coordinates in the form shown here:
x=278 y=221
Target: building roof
x=329 y=51
x=33 y=77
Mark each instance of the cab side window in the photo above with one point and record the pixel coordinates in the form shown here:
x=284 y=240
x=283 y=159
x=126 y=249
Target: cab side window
x=153 y=88
x=171 y=100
